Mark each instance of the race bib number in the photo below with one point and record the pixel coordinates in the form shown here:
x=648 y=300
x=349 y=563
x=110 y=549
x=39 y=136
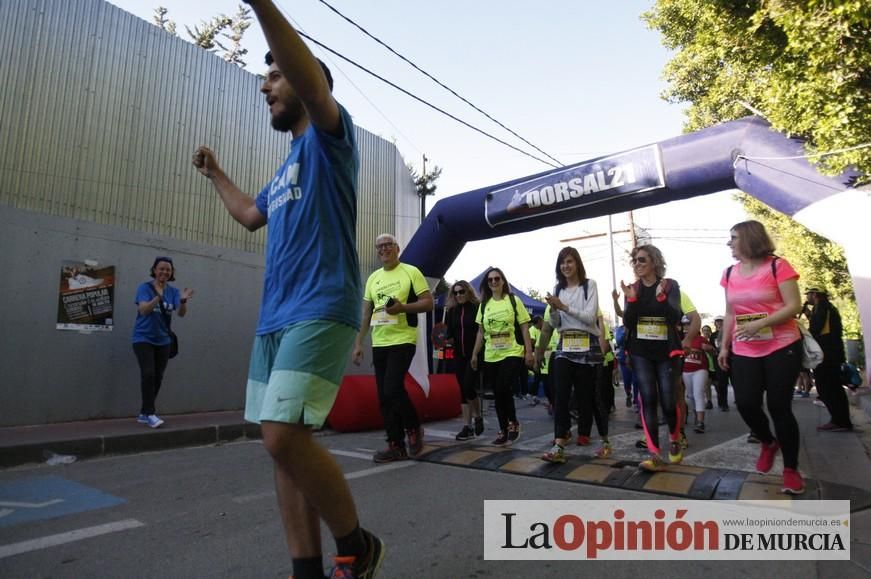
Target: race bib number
x=761 y=335
x=382 y=318
x=652 y=328
x=501 y=341
x=576 y=341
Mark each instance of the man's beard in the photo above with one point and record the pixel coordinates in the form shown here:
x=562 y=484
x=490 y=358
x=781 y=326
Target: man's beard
x=290 y=116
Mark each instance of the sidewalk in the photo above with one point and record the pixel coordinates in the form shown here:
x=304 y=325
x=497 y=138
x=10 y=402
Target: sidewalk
x=90 y=438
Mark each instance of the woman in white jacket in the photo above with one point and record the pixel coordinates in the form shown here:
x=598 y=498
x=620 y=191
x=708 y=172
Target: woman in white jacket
x=574 y=311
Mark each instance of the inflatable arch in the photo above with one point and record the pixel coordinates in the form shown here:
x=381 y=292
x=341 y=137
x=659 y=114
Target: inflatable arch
x=745 y=154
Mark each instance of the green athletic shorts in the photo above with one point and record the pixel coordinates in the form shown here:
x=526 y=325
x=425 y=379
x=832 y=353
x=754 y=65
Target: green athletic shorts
x=295 y=372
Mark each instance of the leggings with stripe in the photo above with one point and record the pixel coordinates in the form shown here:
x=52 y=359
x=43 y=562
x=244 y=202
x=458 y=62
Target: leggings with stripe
x=658 y=385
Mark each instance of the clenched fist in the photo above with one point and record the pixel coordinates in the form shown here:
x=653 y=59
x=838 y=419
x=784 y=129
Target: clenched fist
x=205 y=162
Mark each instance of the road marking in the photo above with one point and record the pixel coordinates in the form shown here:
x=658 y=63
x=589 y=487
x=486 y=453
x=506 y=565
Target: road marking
x=351 y=454
x=68 y=537
x=21 y=505
x=350 y=476
x=379 y=469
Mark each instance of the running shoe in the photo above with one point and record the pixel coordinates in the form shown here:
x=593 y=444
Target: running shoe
x=653 y=463
x=394 y=451
x=832 y=427
x=629 y=402
x=709 y=405
x=792 y=482
x=767 y=453
x=604 y=451
x=479 y=426
x=415 y=440
x=351 y=568
x=142 y=419
x=466 y=434
x=153 y=421
x=513 y=432
x=752 y=439
x=583 y=440
x=684 y=443
x=700 y=428
x=642 y=444
x=675 y=452
x=556 y=454
x=501 y=438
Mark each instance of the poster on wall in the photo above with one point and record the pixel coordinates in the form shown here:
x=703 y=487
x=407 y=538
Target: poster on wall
x=87 y=296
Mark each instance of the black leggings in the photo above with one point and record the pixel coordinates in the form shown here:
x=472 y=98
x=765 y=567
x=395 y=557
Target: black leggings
x=391 y=365
x=581 y=378
x=773 y=375
x=467 y=378
x=658 y=384
x=502 y=376
x=152 y=363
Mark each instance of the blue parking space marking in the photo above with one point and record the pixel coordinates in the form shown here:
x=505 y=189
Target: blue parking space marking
x=34 y=499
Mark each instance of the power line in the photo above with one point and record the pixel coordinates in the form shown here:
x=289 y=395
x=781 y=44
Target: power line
x=362 y=94
x=437 y=81
x=417 y=98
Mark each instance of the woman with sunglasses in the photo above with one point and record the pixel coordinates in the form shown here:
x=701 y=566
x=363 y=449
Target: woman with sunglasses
x=462 y=307
x=651 y=314
x=574 y=311
x=762 y=346
x=503 y=323
x=155 y=301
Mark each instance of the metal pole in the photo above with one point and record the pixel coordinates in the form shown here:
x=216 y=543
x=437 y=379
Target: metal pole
x=423 y=193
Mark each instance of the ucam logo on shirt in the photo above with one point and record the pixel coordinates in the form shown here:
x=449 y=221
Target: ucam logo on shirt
x=583 y=184
x=284 y=187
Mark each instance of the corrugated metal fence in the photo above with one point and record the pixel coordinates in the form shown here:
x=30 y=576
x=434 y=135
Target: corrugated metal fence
x=101 y=112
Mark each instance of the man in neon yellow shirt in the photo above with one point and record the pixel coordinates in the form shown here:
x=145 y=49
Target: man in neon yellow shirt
x=393 y=297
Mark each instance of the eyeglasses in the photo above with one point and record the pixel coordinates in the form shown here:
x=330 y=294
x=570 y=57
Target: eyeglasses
x=640 y=259
x=460 y=292
x=496 y=279
x=387 y=245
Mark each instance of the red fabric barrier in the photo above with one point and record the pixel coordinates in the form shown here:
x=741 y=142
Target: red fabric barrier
x=356 y=408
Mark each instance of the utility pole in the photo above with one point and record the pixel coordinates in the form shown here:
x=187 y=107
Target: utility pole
x=632 y=230
x=423 y=193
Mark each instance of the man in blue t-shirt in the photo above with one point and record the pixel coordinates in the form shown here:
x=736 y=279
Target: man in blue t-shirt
x=309 y=314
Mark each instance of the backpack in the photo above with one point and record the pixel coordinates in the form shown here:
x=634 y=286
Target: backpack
x=518 y=333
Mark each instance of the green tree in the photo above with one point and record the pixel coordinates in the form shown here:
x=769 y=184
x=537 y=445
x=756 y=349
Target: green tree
x=806 y=65
x=213 y=33
x=534 y=294
x=425 y=183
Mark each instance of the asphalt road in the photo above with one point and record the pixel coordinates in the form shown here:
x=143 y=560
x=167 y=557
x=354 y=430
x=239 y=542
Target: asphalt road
x=210 y=512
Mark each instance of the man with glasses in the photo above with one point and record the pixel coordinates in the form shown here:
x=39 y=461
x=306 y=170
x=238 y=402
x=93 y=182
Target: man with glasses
x=309 y=313
x=393 y=297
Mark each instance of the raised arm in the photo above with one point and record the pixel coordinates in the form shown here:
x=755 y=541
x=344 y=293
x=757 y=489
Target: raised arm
x=240 y=206
x=299 y=66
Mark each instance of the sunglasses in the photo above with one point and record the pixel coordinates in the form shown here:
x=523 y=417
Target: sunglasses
x=380 y=246
x=640 y=259
x=494 y=279
x=460 y=292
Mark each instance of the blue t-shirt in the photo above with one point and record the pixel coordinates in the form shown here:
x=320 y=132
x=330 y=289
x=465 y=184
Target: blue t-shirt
x=151 y=328
x=312 y=269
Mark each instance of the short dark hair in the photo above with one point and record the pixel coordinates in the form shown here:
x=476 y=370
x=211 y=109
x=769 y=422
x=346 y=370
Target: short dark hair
x=269 y=60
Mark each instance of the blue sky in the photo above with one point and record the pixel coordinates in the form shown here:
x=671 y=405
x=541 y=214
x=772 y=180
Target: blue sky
x=577 y=79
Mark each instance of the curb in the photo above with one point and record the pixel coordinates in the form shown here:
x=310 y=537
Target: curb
x=94 y=446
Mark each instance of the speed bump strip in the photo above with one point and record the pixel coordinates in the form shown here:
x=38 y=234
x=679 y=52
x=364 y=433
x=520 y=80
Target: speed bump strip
x=694 y=482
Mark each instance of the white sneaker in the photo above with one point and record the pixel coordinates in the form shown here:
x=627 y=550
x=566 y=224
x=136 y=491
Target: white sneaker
x=154 y=421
